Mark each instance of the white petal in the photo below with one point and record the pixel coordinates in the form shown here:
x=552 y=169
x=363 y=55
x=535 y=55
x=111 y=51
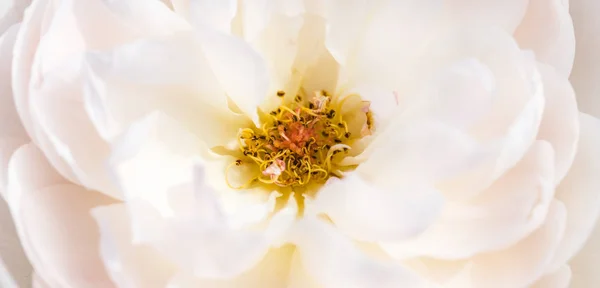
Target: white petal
x=513 y=207
x=560 y=122
x=54 y=41
x=24 y=52
x=505 y=14
x=279 y=43
x=14 y=266
x=369 y=213
x=36 y=194
x=341 y=39
x=155 y=148
x=271 y=272
x=63 y=121
x=12 y=12
x=547 y=29
x=460 y=94
x=174 y=214
x=240 y=70
x=123 y=85
x=393 y=41
x=558 y=279
x=332 y=260
x=579 y=192
x=77 y=27
x=519 y=265
x=129 y=265
x=586 y=69
x=217 y=15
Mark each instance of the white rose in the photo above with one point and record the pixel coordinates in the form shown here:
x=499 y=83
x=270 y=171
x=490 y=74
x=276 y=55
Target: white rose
x=299 y=143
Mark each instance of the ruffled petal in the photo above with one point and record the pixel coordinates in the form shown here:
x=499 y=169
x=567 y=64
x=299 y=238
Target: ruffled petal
x=547 y=29
x=127 y=264
x=270 y=272
x=333 y=260
x=579 y=192
x=224 y=248
x=123 y=85
x=560 y=122
x=181 y=209
x=513 y=207
x=368 y=213
x=240 y=70
x=519 y=265
x=36 y=194
x=157 y=148
x=47 y=69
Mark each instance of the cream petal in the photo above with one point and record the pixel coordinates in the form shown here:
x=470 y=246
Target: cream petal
x=63 y=121
x=558 y=279
x=393 y=42
x=519 y=265
x=257 y=15
x=36 y=193
x=14 y=266
x=279 y=44
x=547 y=29
x=299 y=277
x=270 y=272
x=123 y=86
x=92 y=25
x=157 y=148
x=560 y=122
x=587 y=59
x=222 y=250
x=127 y=264
x=513 y=207
x=459 y=94
x=239 y=69
x=25 y=51
x=217 y=15
x=342 y=39
x=368 y=213
x=579 y=192
x=505 y=14
x=332 y=260
x=44 y=45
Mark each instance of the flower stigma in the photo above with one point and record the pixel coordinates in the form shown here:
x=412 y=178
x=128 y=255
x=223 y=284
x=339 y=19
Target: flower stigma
x=300 y=142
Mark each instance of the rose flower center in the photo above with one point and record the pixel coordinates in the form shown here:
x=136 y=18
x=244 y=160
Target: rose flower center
x=301 y=142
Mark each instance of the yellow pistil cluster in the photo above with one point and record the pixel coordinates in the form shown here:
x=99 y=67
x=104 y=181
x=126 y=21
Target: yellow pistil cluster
x=298 y=144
